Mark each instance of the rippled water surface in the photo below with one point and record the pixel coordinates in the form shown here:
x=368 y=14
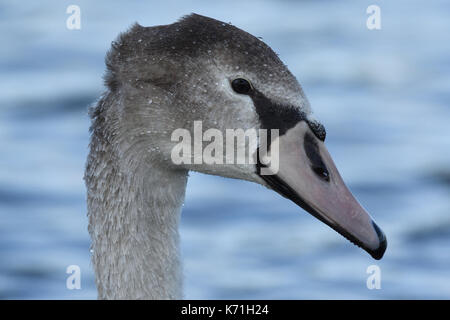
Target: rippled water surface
x=382 y=95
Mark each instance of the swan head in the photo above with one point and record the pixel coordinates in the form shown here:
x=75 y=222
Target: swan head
x=192 y=84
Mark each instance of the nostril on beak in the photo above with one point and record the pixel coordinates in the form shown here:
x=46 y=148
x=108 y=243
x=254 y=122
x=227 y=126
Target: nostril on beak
x=313 y=154
x=321 y=172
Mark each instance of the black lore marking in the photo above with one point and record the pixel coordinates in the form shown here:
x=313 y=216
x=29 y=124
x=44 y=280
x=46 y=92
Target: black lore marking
x=282 y=117
x=275 y=116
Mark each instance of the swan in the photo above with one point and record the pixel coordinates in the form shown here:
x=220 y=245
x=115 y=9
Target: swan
x=166 y=77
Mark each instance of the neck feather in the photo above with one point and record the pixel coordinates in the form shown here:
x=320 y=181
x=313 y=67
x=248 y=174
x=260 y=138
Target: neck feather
x=134 y=213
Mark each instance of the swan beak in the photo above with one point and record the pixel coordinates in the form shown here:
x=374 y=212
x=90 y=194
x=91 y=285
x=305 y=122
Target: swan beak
x=307 y=175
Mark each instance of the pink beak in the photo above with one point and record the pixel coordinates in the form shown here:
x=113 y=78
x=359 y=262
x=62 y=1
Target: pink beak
x=306 y=174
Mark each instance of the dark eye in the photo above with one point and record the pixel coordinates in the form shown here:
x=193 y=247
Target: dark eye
x=241 y=86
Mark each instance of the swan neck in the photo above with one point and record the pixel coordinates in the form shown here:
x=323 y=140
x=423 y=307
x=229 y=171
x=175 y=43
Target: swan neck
x=134 y=215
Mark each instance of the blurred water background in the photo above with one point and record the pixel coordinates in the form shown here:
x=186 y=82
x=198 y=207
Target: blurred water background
x=382 y=95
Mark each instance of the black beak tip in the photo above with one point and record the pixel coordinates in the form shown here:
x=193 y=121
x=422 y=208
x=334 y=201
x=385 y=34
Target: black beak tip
x=378 y=253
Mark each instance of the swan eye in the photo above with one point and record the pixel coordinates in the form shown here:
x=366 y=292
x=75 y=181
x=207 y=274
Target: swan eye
x=241 y=86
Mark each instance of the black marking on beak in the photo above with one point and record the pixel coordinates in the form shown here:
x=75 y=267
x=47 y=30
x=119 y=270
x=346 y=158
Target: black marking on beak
x=378 y=253
x=318 y=129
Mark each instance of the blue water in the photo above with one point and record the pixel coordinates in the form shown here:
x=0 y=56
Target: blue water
x=383 y=96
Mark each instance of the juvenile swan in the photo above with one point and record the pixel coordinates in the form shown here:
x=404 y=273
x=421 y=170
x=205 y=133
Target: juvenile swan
x=163 y=78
